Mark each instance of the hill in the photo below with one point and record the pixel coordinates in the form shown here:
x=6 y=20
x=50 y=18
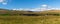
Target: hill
x=51 y=11
x=29 y=13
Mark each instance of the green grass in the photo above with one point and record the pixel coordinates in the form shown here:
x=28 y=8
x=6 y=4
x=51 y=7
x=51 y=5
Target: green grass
x=52 y=20
x=20 y=20
x=29 y=19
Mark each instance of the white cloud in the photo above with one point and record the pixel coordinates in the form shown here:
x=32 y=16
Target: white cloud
x=55 y=8
x=4 y=2
x=39 y=9
x=44 y=5
x=14 y=9
x=33 y=9
x=1 y=0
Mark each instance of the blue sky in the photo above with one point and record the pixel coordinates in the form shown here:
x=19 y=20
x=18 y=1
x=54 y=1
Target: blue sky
x=24 y=4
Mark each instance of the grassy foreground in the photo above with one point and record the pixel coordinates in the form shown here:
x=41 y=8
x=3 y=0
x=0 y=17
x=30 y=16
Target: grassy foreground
x=29 y=19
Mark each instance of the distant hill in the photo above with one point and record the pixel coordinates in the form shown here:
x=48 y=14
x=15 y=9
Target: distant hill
x=53 y=11
x=16 y=12
x=50 y=12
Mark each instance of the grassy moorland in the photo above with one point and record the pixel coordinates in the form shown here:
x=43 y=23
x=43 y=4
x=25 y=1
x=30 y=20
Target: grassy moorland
x=21 y=20
x=29 y=19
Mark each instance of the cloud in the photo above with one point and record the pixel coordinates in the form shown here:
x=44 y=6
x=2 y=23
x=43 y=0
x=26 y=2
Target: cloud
x=1 y=0
x=14 y=9
x=39 y=9
x=33 y=9
x=55 y=8
x=44 y=5
x=4 y=2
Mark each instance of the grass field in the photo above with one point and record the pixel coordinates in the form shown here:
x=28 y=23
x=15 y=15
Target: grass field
x=29 y=19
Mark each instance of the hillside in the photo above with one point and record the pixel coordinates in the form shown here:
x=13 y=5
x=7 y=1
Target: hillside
x=51 y=11
x=29 y=13
x=54 y=11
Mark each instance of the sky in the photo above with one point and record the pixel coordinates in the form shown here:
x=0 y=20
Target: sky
x=33 y=5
